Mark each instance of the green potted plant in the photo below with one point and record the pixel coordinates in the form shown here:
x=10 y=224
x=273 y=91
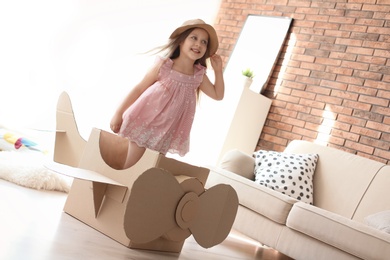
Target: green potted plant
x=249 y=75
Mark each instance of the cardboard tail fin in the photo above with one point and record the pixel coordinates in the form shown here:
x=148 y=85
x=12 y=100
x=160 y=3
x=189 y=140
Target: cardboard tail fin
x=69 y=144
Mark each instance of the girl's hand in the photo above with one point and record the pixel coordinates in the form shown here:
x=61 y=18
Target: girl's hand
x=116 y=123
x=216 y=62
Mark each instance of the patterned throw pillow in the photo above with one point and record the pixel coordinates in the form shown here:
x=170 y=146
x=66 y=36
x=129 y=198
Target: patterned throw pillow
x=290 y=174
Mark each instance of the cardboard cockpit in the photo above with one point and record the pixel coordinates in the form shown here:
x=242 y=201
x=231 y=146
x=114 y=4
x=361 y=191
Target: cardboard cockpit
x=155 y=204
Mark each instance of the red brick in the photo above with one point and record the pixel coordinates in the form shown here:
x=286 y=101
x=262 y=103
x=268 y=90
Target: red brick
x=381 y=110
x=355 y=65
x=328 y=61
x=368 y=115
x=342 y=20
x=382 y=154
x=345 y=135
x=321 y=4
x=359 y=147
x=302 y=94
x=378 y=126
x=337 y=33
x=293 y=121
x=302 y=58
x=339 y=109
x=357 y=105
x=374 y=100
x=380 y=69
x=293 y=85
x=312 y=31
x=376 y=45
x=343 y=56
x=344 y=94
x=336 y=140
x=286 y=112
x=341 y=125
x=269 y=130
x=307 y=80
x=318 y=90
x=349 y=6
x=350 y=42
x=312 y=66
x=374 y=142
x=279 y=126
x=367 y=75
x=299 y=3
x=365 y=132
x=380 y=6
x=333 y=47
x=312 y=103
x=369 y=22
x=304 y=132
x=317 y=53
x=298 y=71
x=382 y=53
x=351 y=120
x=362 y=90
x=349 y=80
x=371 y=60
x=275 y=139
x=329 y=99
x=339 y=70
x=384 y=94
x=323 y=75
x=322 y=18
x=289 y=135
x=333 y=85
x=378 y=85
x=380 y=30
x=359 y=14
x=360 y=50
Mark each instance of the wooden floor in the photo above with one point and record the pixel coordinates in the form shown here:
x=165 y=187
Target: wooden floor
x=33 y=226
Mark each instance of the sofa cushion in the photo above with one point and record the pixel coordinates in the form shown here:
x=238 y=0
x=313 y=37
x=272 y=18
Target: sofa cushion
x=239 y=163
x=288 y=173
x=269 y=203
x=341 y=180
x=380 y=220
x=338 y=231
x=373 y=199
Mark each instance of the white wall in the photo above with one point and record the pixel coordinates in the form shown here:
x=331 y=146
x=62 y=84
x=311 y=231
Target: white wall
x=89 y=48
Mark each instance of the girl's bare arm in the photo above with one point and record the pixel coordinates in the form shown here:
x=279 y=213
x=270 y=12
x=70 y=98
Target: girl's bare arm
x=217 y=90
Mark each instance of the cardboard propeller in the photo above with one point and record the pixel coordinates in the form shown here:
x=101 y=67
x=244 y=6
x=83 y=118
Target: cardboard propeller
x=159 y=205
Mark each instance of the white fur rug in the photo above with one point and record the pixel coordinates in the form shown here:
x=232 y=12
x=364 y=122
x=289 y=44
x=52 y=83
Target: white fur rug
x=27 y=169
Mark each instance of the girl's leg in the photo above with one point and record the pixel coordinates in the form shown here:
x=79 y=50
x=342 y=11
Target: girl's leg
x=134 y=153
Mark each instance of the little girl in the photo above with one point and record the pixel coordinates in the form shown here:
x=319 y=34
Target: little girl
x=159 y=111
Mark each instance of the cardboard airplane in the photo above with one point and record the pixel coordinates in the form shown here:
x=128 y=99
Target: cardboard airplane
x=155 y=204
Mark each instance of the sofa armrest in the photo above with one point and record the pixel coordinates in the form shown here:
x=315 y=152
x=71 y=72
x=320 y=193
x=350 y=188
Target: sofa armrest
x=240 y=163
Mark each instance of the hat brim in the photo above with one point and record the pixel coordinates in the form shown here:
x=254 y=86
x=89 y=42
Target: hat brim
x=213 y=38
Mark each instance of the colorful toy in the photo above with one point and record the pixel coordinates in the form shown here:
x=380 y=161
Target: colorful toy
x=11 y=141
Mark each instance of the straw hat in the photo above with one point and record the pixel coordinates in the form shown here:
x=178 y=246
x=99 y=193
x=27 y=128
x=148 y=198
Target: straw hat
x=198 y=23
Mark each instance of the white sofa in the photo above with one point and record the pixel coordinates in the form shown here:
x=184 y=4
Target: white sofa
x=348 y=191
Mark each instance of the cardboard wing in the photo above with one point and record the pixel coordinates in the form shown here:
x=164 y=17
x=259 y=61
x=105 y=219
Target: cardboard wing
x=99 y=182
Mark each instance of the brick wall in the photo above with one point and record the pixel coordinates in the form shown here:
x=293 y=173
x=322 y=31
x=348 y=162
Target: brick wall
x=332 y=80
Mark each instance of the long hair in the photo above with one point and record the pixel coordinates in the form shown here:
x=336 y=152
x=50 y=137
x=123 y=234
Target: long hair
x=172 y=50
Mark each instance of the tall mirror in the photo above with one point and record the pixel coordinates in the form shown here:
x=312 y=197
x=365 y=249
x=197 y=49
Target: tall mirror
x=258 y=48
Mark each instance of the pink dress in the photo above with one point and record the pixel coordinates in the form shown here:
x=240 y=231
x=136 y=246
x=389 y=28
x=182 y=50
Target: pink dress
x=162 y=117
